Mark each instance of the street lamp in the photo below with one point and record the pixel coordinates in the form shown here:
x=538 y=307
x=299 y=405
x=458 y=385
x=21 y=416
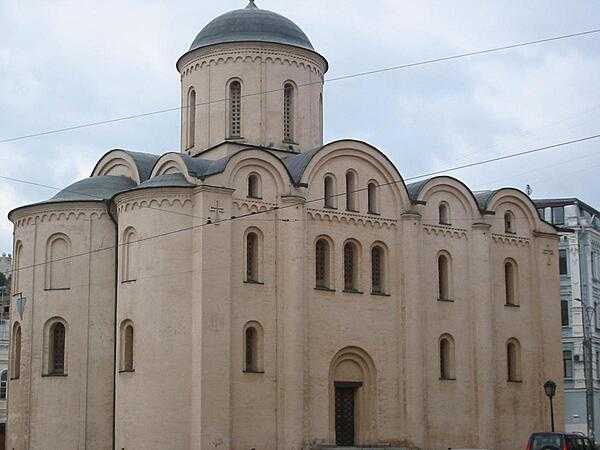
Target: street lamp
x=550 y=390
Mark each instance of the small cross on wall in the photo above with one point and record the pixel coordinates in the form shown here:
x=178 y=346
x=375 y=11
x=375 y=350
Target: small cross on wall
x=217 y=209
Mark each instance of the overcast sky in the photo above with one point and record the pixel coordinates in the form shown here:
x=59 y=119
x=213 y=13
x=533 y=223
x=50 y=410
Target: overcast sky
x=68 y=62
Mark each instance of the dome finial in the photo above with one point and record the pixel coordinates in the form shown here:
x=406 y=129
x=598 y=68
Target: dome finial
x=251 y=5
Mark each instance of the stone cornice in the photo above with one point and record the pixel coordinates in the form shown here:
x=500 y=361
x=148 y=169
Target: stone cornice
x=332 y=215
x=509 y=239
x=165 y=198
x=445 y=230
x=58 y=212
x=254 y=52
x=252 y=204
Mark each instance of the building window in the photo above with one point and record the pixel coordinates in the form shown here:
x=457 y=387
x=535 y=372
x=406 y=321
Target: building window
x=17 y=263
x=127 y=346
x=58 y=262
x=252 y=257
x=253 y=348
x=447 y=357
x=597 y=315
x=444 y=214
x=377 y=270
x=594 y=266
x=558 y=215
x=288 y=112
x=350 y=267
x=15 y=359
x=129 y=255
x=191 y=134
x=542 y=213
x=322 y=264
x=444 y=272
x=254 y=186
x=513 y=360
x=598 y=365
x=351 y=191
x=509 y=223
x=510 y=282
x=372 y=198
x=56 y=350
x=568 y=364
x=235 y=109
x=564 y=312
x=562 y=262
x=329 y=191
x=3 y=384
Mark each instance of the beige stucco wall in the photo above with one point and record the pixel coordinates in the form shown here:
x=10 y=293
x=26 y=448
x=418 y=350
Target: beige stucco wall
x=72 y=411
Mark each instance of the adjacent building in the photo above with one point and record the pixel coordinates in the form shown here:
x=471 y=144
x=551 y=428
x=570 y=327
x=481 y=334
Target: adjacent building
x=579 y=266
x=263 y=290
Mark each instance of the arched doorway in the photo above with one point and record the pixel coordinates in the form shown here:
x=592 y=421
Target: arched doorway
x=352 y=397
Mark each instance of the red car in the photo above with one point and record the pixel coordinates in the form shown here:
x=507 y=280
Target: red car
x=559 y=441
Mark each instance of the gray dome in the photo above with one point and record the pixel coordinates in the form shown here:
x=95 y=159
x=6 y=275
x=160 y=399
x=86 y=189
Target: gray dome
x=251 y=24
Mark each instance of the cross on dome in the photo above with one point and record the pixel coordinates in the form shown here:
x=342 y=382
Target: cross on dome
x=251 y=5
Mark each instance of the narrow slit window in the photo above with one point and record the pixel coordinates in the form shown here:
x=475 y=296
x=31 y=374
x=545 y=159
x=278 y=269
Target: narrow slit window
x=510 y=283
x=350 y=267
x=377 y=270
x=251 y=350
x=235 y=109
x=513 y=360
x=254 y=186
x=3 y=384
x=509 y=223
x=372 y=198
x=322 y=264
x=350 y=191
x=447 y=358
x=191 y=118
x=56 y=363
x=329 y=192
x=252 y=257
x=16 y=352
x=444 y=214
x=443 y=277
x=127 y=347
x=288 y=113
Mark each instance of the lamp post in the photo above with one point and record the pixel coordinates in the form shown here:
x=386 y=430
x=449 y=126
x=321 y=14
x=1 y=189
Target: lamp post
x=550 y=390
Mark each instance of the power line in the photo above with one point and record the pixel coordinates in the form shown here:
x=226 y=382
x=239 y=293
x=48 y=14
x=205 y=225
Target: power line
x=328 y=80
x=277 y=208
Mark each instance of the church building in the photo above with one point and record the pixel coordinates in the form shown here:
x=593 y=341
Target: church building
x=262 y=290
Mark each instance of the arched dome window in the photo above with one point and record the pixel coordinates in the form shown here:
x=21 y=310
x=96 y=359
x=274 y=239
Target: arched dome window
x=127 y=346
x=510 y=282
x=351 y=191
x=58 y=263
x=447 y=355
x=288 y=112
x=444 y=277
x=513 y=360
x=444 y=213
x=372 y=197
x=254 y=186
x=351 y=269
x=329 y=195
x=323 y=264
x=15 y=357
x=191 y=111
x=509 y=223
x=235 y=109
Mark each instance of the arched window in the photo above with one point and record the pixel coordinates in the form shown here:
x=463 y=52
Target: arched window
x=254 y=186
x=513 y=360
x=235 y=109
x=252 y=257
x=444 y=214
x=253 y=348
x=351 y=191
x=56 y=348
x=191 y=134
x=322 y=264
x=377 y=270
x=3 y=384
x=17 y=263
x=509 y=222
x=15 y=357
x=129 y=255
x=351 y=267
x=288 y=112
x=447 y=357
x=127 y=346
x=372 y=198
x=510 y=282
x=58 y=263
x=444 y=277
x=329 y=191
